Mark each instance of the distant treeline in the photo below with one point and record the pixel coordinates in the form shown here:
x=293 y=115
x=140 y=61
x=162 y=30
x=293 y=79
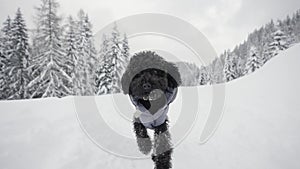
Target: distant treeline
x=261 y=45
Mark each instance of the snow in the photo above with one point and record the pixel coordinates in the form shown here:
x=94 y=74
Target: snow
x=258 y=129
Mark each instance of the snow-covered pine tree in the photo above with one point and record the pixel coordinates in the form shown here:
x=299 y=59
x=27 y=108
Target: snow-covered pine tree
x=296 y=27
x=213 y=73
x=18 y=62
x=267 y=38
x=287 y=27
x=125 y=52
x=7 y=37
x=71 y=52
x=217 y=74
x=209 y=70
x=124 y=57
x=227 y=71
x=241 y=66
x=115 y=57
x=114 y=61
x=253 y=61
x=92 y=55
x=86 y=56
x=2 y=67
x=230 y=68
x=2 y=56
x=262 y=45
x=269 y=29
x=204 y=76
x=193 y=80
x=103 y=79
x=6 y=50
x=49 y=65
x=278 y=44
x=35 y=35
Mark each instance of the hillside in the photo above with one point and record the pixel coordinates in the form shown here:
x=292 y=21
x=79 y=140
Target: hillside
x=258 y=129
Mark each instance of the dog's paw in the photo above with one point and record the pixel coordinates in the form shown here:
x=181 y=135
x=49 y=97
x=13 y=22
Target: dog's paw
x=163 y=161
x=145 y=145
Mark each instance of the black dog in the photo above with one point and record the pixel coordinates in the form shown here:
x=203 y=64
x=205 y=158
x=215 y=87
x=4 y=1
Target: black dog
x=152 y=83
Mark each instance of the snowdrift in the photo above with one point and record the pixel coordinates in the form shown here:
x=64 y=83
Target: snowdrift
x=259 y=128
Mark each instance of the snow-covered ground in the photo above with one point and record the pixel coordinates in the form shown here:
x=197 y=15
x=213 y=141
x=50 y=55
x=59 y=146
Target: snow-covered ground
x=259 y=128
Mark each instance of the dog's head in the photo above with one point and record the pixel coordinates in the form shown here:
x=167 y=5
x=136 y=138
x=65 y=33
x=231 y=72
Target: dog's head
x=148 y=76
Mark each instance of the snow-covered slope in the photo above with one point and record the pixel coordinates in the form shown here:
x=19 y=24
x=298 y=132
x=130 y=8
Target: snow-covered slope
x=259 y=128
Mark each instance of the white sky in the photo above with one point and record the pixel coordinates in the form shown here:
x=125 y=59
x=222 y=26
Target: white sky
x=225 y=23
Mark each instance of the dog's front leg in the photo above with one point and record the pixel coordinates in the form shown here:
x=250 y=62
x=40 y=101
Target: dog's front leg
x=142 y=137
x=162 y=147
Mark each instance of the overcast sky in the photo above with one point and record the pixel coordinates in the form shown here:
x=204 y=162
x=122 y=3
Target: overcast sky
x=225 y=23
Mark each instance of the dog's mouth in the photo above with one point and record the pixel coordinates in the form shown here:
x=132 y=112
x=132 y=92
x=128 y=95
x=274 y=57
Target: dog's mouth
x=154 y=95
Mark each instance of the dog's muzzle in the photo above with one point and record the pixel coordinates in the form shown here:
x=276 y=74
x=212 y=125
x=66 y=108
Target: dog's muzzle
x=154 y=95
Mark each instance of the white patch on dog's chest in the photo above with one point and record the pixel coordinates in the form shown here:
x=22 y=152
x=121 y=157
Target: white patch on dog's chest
x=137 y=114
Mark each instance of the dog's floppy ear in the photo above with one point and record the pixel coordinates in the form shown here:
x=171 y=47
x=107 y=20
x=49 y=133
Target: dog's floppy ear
x=172 y=83
x=174 y=79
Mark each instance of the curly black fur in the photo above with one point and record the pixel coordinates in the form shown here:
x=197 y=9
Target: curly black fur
x=147 y=68
x=149 y=60
x=163 y=161
x=142 y=137
x=157 y=78
x=162 y=144
x=162 y=147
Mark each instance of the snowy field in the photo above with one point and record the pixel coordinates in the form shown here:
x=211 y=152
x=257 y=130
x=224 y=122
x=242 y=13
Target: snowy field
x=259 y=128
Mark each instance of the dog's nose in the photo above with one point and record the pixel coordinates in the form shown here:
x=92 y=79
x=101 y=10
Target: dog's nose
x=147 y=86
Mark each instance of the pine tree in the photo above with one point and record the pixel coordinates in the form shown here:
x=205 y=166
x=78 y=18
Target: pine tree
x=71 y=53
x=103 y=79
x=230 y=68
x=92 y=55
x=278 y=44
x=115 y=56
x=190 y=80
x=17 y=65
x=125 y=52
x=6 y=51
x=253 y=61
x=217 y=74
x=86 y=56
x=50 y=78
x=204 y=76
x=7 y=37
x=287 y=28
x=124 y=58
x=2 y=56
x=296 y=27
x=240 y=69
x=115 y=59
x=2 y=67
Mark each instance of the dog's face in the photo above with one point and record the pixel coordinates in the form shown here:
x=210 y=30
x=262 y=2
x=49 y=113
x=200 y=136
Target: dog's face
x=146 y=82
x=148 y=87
